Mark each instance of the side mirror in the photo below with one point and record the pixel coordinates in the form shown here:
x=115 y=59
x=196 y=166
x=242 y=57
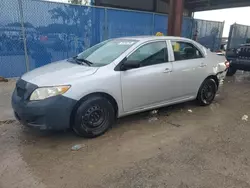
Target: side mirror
x=130 y=65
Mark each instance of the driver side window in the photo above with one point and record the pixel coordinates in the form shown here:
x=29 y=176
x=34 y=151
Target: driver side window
x=150 y=54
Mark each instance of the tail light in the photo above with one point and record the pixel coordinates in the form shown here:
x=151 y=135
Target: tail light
x=227 y=63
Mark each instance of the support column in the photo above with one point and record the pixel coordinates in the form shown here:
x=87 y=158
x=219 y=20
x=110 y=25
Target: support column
x=154 y=5
x=96 y=2
x=175 y=17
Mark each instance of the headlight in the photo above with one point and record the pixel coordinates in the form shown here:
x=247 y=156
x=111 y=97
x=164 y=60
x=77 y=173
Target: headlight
x=46 y=92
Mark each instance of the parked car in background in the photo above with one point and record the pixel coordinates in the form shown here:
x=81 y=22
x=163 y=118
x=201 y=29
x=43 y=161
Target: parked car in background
x=116 y=78
x=239 y=59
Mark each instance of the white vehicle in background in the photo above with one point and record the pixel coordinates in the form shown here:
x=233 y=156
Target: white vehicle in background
x=116 y=78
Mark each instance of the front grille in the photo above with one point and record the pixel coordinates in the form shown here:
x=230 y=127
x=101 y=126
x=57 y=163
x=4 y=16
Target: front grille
x=21 y=88
x=24 y=89
x=244 y=52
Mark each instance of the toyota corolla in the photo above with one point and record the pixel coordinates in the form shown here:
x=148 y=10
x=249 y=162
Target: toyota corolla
x=116 y=78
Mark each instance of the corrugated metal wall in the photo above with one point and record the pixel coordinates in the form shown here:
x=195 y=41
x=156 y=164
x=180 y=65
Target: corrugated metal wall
x=239 y=34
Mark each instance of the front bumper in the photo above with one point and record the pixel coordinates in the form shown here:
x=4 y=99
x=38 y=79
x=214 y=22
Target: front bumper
x=52 y=113
x=241 y=64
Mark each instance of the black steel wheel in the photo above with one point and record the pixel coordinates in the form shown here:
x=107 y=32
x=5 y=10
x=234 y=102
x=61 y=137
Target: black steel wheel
x=94 y=117
x=207 y=92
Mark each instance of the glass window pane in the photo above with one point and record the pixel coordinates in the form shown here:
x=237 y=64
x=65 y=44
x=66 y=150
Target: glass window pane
x=107 y=51
x=150 y=54
x=185 y=51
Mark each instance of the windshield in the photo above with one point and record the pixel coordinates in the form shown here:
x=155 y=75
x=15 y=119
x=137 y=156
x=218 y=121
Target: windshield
x=106 y=52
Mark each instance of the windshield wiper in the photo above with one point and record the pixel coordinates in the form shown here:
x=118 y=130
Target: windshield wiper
x=81 y=60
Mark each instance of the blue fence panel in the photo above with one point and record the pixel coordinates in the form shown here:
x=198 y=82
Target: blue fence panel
x=160 y=23
x=239 y=34
x=12 y=59
x=209 y=33
x=128 y=23
x=187 y=27
x=57 y=31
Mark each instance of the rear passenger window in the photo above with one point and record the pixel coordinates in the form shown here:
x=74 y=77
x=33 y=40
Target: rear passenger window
x=185 y=51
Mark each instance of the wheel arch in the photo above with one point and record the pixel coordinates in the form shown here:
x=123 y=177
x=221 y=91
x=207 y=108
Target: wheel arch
x=214 y=77
x=107 y=96
x=216 y=83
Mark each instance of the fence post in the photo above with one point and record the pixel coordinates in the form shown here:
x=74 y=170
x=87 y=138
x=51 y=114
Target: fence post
x=192 y=28
x=20 y=4
x=153 y=24
x=222 y=30
x=230 y=37
x=106 y=24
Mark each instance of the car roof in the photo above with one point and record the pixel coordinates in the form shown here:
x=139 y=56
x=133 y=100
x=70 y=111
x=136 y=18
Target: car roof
x=147 y=38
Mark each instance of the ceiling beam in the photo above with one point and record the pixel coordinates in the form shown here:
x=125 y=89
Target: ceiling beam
x=215 y=5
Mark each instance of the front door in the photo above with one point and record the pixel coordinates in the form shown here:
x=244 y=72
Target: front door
x=151 y=83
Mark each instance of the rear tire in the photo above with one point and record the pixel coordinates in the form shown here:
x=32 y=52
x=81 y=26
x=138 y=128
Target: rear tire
x=231 y=71
x=93 y=117
x=207 y=92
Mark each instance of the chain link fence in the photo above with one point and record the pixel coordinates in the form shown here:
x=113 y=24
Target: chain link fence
x=34 y=33
x=12 y=56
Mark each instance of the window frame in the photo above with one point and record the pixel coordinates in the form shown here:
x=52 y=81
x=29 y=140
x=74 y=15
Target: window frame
x=153 y=41
x=184 y=41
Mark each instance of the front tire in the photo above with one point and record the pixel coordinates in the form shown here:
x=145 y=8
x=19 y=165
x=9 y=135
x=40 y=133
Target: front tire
x=94 y=117
x=207 y=92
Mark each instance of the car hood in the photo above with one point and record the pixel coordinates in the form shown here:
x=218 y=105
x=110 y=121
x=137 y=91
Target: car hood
x=58 y=73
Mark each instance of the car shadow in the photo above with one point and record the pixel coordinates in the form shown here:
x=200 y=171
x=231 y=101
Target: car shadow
x=122 y=125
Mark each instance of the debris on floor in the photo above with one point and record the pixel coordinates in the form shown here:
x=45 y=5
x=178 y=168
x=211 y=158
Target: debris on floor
x=214 y=106
x=190 y=110
x=7 y=122
x=245 y=118
x=153 y=119
x=174 y=124
x=2 y=79
x=76 y=147
x=153 y=115
x=154 y=112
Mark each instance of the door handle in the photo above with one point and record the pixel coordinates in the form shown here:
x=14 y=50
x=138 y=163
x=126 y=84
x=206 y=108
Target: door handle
x=167 y=70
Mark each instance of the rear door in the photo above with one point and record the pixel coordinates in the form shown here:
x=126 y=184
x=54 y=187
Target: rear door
x=189 y=68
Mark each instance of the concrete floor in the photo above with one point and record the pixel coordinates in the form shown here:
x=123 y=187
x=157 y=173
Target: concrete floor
x=208 y=147
x=6 y=89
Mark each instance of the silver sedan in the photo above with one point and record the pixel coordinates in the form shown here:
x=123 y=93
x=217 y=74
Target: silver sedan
x=115 y=78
